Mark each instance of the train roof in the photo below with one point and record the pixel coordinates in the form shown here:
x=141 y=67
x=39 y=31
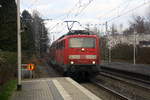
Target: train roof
x=70 y=36
x=77 y=32
x=73 y=35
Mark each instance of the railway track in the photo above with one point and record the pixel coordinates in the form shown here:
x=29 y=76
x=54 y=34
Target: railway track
x=123 y=86
x=132 y=78
x=115 y=93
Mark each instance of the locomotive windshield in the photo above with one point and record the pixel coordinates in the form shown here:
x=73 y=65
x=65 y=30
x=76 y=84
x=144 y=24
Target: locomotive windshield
x=82 y=42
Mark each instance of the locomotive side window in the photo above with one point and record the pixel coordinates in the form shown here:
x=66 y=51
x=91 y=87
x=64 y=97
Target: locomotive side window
x=82 y=42
x=61 y=45
x=57 y=46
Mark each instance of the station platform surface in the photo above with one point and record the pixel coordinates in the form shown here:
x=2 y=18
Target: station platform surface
x=137 y=68
x=62 y=88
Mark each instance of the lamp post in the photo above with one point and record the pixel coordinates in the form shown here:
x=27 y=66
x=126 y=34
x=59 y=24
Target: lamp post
x=134 y=49
x=19 y=86
x=134 y=45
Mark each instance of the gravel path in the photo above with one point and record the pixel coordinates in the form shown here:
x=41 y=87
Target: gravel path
x=45 y=71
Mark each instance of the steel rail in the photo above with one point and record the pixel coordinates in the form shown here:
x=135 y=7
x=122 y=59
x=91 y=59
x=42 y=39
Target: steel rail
x=135 y=81
x=122 y=97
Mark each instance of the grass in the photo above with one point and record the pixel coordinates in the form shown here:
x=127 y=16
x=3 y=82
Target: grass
x=7 y=90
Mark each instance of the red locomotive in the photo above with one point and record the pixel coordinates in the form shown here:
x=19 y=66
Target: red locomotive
x=76 y=52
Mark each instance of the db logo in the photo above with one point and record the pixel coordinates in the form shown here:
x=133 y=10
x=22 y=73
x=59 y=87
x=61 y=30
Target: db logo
x=30 y=67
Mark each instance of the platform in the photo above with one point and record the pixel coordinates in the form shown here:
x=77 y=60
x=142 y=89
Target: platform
x=137 y=68
x=53 y=89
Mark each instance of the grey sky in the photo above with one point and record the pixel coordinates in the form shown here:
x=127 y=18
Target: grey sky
x=97 y=12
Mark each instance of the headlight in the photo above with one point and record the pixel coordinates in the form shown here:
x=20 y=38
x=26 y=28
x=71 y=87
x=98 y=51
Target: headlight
x=71 y=62
x=74 y=56
x=93 y=62
x=90 y=56
x=82 y=49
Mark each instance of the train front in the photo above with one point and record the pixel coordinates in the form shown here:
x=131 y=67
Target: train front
x=83 y=53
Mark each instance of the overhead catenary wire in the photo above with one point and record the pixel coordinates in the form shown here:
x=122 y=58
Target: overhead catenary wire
x=84 y=7
x=32 y=4
x=119 y=15
x=66 y=16
x=126 y=6
x=69 y=12
x=79 y=12
x=53 y=33
x=53 y=26
x=81 y=9
x=116 y=8
x=131 y=10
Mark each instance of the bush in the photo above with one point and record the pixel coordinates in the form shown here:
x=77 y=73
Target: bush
x=7 y=89
x=122 y=52
x=143 y=55
x=8 y=62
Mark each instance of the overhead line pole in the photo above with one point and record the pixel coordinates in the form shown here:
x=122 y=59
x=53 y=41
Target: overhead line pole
x=106 y=26
x=19 y=86
x=134 y=49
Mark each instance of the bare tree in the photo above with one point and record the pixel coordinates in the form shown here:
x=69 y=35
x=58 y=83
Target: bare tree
x=147 y=23
x=138 y=24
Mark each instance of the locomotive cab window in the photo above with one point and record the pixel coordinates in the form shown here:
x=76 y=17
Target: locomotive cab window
x=82 y=42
